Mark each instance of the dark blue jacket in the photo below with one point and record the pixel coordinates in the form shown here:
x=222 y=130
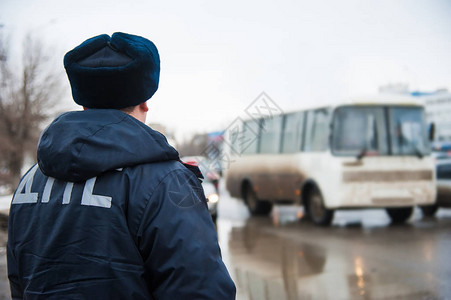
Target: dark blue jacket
x=110 y=213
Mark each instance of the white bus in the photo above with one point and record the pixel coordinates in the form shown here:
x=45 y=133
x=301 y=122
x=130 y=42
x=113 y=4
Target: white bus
x=361 y=154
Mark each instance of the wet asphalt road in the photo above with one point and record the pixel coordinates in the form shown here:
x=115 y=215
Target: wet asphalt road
x=361 y=256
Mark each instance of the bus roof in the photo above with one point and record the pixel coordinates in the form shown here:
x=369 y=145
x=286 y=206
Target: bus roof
x=395 y=100
x=383 y=100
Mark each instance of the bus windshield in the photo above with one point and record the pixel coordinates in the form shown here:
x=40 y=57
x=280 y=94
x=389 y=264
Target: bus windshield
x=365 y=131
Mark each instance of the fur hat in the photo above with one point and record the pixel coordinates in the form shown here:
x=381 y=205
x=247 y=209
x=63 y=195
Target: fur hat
x=113 y=72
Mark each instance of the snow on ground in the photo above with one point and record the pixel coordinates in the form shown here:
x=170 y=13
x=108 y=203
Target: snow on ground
x=5 y=201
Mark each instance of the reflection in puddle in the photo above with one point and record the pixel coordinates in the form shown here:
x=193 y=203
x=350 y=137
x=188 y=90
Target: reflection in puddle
x=361 y=256
x=358 y=269
x=268 y=267
x=289 y=260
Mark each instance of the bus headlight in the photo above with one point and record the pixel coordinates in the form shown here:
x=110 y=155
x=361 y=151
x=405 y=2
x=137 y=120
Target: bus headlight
x=213 y=198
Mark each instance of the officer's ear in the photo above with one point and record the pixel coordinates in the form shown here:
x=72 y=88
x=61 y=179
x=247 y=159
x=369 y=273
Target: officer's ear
x=143 y=107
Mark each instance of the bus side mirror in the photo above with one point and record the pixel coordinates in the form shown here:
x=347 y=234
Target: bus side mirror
x=431 y=131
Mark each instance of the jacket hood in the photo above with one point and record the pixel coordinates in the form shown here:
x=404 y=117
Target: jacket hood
x=83 y=144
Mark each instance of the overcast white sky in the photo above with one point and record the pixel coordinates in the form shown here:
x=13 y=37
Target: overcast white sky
x=217 y=56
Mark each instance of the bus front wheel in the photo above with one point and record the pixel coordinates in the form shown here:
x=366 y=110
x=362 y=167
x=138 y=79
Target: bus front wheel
x=316 y=210
x=255 y=205
x=399 y=214
x=429 y=210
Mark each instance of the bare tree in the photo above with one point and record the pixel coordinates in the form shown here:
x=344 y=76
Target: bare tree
x=27 y=95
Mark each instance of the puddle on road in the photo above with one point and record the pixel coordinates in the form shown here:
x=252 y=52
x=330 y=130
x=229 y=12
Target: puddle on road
x=269 y=259
x=269 y=268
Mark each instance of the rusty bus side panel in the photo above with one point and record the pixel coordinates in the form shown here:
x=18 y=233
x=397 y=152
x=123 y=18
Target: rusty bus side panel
x=273 y=177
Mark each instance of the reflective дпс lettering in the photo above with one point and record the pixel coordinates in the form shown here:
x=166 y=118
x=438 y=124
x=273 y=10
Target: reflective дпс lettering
x=24 y=195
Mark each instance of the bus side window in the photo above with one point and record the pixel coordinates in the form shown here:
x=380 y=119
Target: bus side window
x=292 y=134
x=317 y=130
x=251 y=132
x=271 y=134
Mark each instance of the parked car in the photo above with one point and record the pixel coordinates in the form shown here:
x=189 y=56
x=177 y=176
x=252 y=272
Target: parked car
x=441 y=154
x=210 y=183
x=441 y=150
x=443 y=172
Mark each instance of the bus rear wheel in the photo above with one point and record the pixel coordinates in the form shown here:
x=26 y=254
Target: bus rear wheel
x=316 y=210
x=255 y=205
x=399 y=214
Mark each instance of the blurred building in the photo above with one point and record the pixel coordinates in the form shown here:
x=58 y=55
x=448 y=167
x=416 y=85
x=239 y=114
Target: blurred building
x=437 y=105
x=438 y=111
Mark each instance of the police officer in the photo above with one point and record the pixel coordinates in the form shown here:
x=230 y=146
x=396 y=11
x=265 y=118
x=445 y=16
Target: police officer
x=109 y=211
